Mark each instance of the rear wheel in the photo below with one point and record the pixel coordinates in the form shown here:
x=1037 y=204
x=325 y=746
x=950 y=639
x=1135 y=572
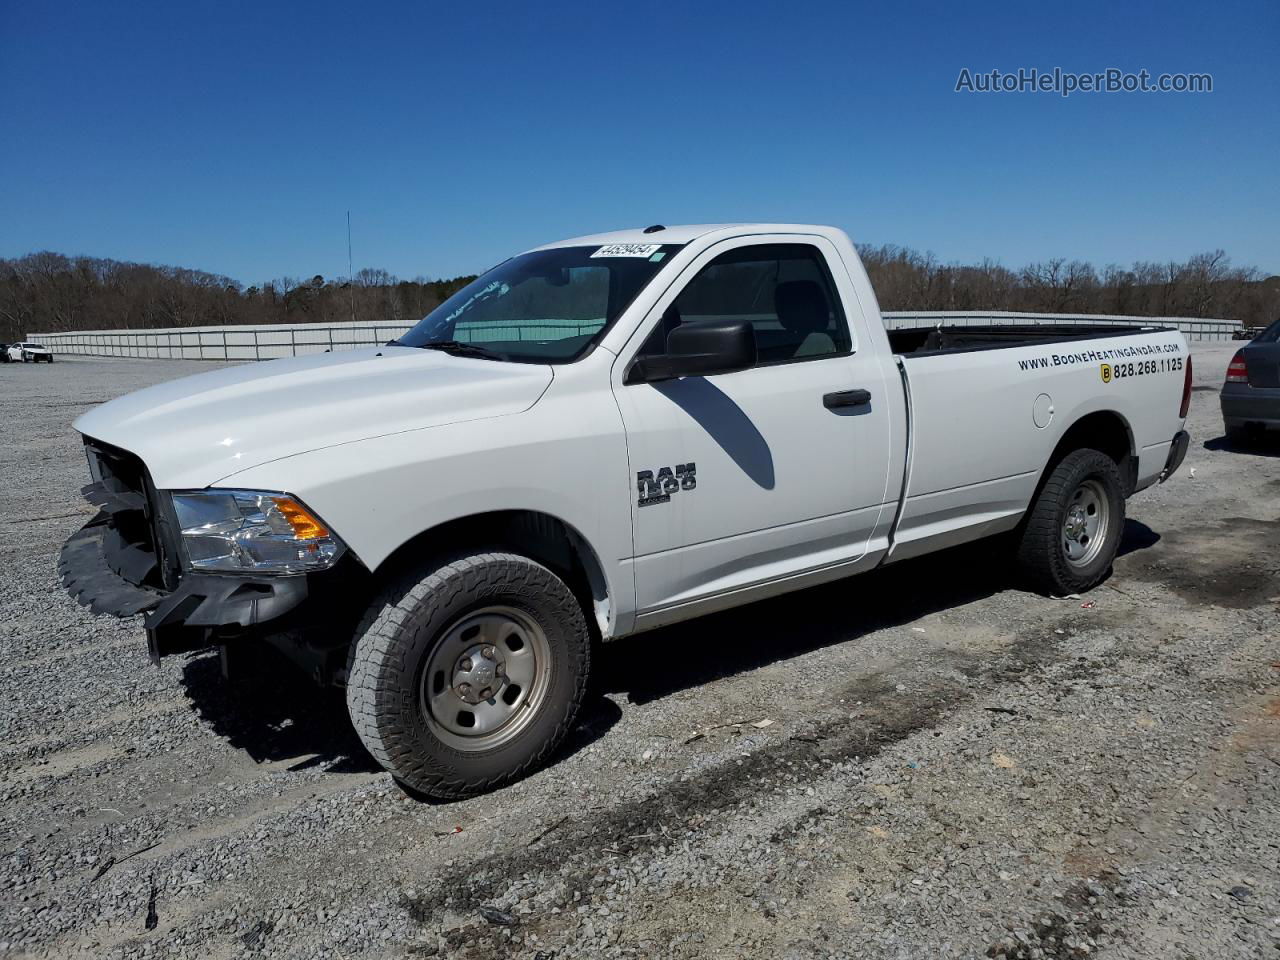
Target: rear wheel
x=1073 y=529
x=466 y=676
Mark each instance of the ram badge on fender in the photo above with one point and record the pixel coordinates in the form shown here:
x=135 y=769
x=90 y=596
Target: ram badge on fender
x=595 y=438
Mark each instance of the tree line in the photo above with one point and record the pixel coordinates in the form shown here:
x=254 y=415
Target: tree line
x=1206 y=285
x=49 y=292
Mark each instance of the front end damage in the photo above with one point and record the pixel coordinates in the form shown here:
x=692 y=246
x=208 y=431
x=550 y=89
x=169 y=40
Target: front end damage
x=128 y=560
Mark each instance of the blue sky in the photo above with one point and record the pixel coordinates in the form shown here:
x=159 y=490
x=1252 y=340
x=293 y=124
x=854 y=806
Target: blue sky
x=234 y=137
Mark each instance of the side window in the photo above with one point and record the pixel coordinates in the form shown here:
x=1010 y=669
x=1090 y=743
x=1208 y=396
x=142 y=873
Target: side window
x=783 y=289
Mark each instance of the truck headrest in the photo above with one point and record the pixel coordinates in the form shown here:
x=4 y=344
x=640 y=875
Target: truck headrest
x=801 y=306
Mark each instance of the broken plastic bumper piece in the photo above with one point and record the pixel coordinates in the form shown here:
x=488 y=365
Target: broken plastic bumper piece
x=95 y=565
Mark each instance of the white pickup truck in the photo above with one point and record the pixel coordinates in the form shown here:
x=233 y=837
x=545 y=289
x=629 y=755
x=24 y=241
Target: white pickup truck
x=595 y=438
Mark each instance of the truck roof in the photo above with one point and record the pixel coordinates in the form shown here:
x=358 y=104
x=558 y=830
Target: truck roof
x=679 y=233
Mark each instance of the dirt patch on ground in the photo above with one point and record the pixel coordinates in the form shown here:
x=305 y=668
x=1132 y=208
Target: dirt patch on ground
x=883 y=713
x=1230 y=563
x=575 y=850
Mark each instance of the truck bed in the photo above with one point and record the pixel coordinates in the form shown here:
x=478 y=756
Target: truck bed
x=988 y=405
x=941 y=339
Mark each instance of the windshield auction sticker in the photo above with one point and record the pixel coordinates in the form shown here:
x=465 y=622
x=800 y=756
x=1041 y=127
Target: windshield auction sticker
x=627 y=250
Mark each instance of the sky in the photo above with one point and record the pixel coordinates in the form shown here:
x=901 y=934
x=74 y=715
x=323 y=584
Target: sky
x=234 y=137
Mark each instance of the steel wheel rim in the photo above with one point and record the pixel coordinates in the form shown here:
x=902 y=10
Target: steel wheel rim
x=485 y=679
x=1085 y=523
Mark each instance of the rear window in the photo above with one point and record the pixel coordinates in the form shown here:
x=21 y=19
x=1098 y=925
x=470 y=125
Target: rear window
x=1269 y=335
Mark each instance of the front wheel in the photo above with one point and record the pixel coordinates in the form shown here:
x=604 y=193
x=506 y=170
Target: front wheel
x=1073 y=529
x=466 y=676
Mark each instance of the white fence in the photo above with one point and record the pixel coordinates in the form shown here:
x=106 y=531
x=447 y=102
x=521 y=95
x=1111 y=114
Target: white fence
x=266 y=342
x=233 y=342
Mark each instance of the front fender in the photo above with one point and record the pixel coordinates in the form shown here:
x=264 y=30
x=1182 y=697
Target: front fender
x=381 y=493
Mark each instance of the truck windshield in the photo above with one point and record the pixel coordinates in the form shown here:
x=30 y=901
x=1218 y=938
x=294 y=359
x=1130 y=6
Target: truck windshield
x=548 y=306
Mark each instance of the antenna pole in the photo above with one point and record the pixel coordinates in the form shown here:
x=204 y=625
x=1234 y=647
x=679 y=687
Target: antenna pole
x=351 y=279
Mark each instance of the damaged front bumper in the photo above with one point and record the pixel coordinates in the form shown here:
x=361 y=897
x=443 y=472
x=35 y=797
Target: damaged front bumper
x=127 y=561
x=199 y=611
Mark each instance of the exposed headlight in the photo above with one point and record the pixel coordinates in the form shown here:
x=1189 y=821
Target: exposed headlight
x=239 y=531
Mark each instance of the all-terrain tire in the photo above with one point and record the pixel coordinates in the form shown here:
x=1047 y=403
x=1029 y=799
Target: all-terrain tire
x=1042 y=555
x=393 y=646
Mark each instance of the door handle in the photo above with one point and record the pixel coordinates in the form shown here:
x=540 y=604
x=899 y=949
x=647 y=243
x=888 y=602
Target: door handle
x=846 y=398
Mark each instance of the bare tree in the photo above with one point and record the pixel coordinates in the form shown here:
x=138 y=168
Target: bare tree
x=48 y=291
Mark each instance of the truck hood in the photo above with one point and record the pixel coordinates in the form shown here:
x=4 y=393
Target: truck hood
x=195 y=431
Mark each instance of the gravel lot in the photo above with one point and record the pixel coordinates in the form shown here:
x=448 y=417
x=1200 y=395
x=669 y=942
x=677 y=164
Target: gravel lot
x=951 y=767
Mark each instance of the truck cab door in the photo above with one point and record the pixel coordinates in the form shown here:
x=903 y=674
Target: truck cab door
x=753 y=482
